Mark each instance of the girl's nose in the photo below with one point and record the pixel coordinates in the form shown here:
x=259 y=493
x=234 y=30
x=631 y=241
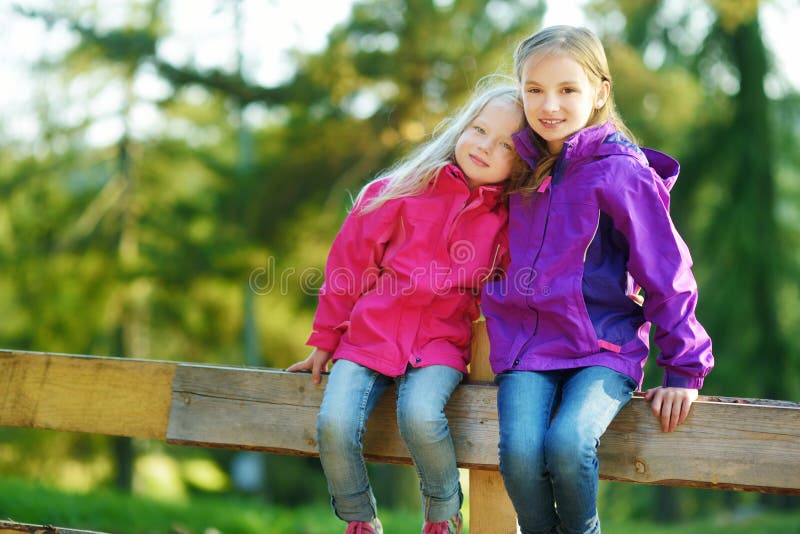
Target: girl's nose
x=551 y=103
x=486 y=144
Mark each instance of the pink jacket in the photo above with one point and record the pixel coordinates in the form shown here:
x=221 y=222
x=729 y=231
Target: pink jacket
x=402 y=282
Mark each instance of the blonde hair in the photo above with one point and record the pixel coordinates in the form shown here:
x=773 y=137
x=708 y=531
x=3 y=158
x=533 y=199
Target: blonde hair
x=413 y=174
x=584 y=47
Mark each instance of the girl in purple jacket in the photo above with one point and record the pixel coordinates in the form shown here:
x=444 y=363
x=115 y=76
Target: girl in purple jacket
x=401 y=291
x=568 y=327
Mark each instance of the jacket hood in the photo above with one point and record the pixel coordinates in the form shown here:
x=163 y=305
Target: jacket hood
x=664 y=165
x=598 y=141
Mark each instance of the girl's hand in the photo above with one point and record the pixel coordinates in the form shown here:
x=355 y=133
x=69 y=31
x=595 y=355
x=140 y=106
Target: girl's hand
x=671 y=405
x=317 y=362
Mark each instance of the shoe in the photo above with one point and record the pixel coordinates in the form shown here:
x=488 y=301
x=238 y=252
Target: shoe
x=451 y=526
x=364 y=527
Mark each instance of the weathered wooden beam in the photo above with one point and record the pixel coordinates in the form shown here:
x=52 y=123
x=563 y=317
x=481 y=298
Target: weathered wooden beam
x=754 y=447
x=276 y=411
x=751 y=446
x=114 y=396
x=730 y=443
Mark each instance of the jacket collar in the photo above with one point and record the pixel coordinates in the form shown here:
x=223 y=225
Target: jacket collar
x=585 y=142
x=601 y=140
x=452 y=174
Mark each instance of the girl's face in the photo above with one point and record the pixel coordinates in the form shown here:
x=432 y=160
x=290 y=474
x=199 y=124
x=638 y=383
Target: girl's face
x=558 y=97
x=484 y=150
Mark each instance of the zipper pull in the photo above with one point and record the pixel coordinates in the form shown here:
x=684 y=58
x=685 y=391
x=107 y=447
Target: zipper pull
x=545 y=185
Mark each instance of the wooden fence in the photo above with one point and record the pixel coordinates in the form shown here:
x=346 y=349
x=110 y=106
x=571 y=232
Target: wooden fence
x=726 y=443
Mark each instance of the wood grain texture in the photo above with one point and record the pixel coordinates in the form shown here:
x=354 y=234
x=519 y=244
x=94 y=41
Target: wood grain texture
x=721 y=445
x=114 y=396
x=737 y=444
x=275 y=411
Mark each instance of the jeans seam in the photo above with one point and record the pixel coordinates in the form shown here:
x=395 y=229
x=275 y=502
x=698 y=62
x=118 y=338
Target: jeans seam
x=429 y=502
x=362 y=423
x=362 y=428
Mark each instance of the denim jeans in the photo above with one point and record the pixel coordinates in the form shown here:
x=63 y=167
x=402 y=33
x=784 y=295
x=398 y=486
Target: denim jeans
x=350 y=396
x=550 y=428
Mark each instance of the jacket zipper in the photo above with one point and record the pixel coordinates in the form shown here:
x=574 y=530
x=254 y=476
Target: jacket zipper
x=458 y=215
x=556 y=174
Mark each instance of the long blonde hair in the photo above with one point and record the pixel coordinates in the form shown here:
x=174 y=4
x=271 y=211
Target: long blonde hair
x=585 y=48
x=413 y=174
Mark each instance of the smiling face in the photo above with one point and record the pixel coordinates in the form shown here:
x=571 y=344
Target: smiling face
x=484 y=150
x=558 y=97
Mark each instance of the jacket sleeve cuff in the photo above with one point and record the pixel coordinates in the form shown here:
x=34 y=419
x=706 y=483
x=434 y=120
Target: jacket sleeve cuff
x=674 y=380
x=326 y=340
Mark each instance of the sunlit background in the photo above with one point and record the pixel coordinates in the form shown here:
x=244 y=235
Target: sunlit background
x=172 y=173
x=259 y=36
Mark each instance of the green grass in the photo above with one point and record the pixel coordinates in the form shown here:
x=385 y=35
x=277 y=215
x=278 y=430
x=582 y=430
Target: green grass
x=762 y=523
x=113 y=512
x=109 y=511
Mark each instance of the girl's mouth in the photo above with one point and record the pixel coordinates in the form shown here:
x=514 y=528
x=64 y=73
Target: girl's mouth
x=478 y=161
x=550 y=122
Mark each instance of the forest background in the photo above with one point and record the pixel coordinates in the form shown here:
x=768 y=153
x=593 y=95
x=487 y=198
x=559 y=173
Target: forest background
x=164 y=208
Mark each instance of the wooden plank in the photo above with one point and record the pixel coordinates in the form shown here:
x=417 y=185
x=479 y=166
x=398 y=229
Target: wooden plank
x=490 y=508
x=114 y=396
x=735 y=444
x=721 y=445
x=746 y=446
x=275 y=411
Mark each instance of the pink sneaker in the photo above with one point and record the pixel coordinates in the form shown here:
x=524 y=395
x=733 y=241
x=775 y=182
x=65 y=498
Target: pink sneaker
x=364 y=527
x=451 y=526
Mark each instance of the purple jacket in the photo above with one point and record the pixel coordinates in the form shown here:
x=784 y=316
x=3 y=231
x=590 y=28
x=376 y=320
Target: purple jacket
x=581 y=247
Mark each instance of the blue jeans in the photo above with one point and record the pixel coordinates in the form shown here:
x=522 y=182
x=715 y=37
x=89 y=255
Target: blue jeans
x=350 y=396
x=550 y=427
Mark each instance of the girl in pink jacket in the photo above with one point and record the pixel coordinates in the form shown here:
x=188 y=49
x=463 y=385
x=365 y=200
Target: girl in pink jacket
x=401 y=292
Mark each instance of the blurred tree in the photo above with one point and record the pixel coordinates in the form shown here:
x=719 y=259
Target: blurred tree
x=138 y=210
x=152 y=196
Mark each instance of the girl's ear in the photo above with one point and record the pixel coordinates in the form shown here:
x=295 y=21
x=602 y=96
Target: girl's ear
x=603 y=93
